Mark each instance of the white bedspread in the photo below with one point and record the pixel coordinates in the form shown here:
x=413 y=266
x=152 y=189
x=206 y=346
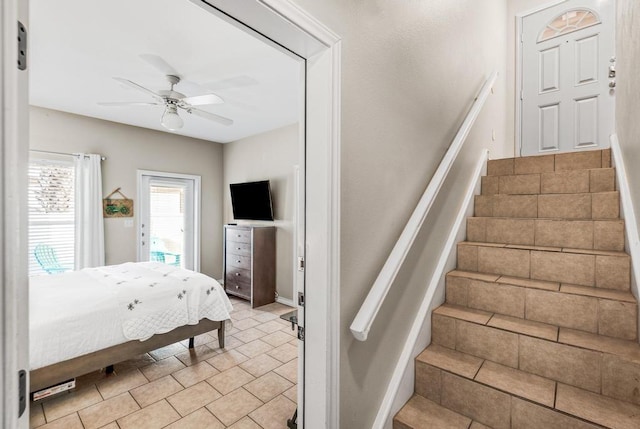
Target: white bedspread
x=80 y=312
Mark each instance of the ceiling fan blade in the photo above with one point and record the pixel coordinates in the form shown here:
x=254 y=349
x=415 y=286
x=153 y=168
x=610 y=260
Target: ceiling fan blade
x=159 y=63
x=128 y=103
x=138 y=87
x=199 y=100
x=210 y=116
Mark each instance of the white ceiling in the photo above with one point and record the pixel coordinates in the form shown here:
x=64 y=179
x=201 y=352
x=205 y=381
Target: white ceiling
x=78 y=46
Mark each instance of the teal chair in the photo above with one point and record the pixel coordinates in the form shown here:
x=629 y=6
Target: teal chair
x=46 y=256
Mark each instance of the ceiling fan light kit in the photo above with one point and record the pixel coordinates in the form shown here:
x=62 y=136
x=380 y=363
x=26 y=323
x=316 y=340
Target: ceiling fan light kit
x=172 y=100
x=170 y=119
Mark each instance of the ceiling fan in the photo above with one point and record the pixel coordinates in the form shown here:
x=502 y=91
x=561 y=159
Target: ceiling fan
x=172 y=101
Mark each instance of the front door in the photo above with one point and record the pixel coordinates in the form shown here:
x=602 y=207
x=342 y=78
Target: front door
x=568 y=77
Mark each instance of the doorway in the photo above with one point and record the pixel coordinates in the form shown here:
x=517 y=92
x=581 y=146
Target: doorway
x=566 y=77
x=297 y=31
x=169 y=222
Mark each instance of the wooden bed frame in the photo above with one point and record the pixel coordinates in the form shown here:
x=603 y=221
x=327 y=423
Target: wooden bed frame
x=65 y=370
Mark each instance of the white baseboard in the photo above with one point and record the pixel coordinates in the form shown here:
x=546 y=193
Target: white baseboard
x=286 y=301
x=632 y=241
x=401 y=385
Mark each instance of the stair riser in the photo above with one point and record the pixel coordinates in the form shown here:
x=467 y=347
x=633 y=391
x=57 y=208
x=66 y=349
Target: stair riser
x=603 y=271
x=488 y=405
x=589 y=370
x=565 y=182
x=550 y=163
x=603 y=205
x=602 y=316
x=577 y=234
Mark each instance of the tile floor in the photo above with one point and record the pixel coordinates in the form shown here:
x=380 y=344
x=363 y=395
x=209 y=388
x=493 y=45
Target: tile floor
x=250 y=384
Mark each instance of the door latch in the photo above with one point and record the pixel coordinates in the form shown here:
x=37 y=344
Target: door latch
x=300 y=263
x=300 y=299
x=301 y=333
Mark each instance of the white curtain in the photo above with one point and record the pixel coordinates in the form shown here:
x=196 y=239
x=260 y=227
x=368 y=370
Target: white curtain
x=89 y=240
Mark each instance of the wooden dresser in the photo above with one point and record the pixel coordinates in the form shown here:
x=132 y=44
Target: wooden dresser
x=250 y=263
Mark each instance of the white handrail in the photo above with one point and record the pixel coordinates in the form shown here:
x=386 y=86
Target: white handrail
x=366 y=315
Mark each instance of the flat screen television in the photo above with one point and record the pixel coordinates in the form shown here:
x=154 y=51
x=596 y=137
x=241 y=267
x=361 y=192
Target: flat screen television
x=251 y=200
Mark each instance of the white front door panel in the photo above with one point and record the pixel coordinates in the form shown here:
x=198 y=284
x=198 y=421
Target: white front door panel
x=567 y=104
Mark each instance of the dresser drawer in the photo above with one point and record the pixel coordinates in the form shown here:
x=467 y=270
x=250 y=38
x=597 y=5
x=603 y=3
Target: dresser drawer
x=238 y=288
x=239 y=261
x=237 y=248
x=238 y=275
x=238 y=235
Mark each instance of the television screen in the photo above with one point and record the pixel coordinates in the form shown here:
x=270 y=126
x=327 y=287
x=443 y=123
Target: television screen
x=251 y=200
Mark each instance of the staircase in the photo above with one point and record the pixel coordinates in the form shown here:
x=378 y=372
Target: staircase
x=539 y=328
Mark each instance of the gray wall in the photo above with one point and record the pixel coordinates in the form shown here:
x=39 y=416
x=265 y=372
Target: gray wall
x=128 y=149
x=268 y=156
x=628 y=92
x=410 y=71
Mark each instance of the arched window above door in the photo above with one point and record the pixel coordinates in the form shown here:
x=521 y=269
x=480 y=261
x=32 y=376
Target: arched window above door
x=568 y=22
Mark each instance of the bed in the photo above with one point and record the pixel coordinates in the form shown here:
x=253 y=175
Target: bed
x=84 y=320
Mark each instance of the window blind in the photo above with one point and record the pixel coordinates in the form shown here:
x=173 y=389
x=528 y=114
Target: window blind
x=51 y=210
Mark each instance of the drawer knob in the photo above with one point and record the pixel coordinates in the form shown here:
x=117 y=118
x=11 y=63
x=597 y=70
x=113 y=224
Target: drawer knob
x=237 y=287
x=238 y=262
x=238 y=274
x=238 y=248
x=239 y=235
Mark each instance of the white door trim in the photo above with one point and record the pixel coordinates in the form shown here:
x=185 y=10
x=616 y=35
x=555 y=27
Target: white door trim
x=518 y=85
x=283 y=22
x=14 y=145
x=196 y=210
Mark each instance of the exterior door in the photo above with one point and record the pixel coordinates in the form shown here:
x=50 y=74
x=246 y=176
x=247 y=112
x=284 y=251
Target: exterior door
x=568 y=65
x=168 y=222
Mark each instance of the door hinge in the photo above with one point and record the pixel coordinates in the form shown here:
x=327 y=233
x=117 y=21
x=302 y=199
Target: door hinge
x=301 y=333
x=22 y=392
x=300 y=263
x=22 y=46
x=301 y=299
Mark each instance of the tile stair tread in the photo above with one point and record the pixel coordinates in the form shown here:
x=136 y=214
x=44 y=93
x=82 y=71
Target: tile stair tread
x=552 y=172
x=451 y=360
x=544 y=248
x=599 y=409
x=419 y=412
x=628 y=350
x=566 y=288
x=596 y=408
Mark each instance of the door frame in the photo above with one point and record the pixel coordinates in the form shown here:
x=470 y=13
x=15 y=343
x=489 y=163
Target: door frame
x=196 y=210
x=293 y=28
x=14 y=145
x=284 y=23
x=519 y=69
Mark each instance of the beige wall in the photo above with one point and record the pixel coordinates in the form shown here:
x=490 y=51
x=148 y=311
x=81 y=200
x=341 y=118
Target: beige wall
x=128 y=149
x=515 y=7
x=410 y=70
x=628 y=92
x=268 y=156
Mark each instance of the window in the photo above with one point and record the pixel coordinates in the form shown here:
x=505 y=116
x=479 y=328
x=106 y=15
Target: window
x=568 y=22
x=51 y=216
x=166 y=224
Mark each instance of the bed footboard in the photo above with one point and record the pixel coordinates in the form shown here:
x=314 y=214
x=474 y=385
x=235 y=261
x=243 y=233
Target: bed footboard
x=52 y=374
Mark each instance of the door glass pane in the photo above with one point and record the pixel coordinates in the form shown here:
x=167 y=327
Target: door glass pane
x=568 y=22
x=166 y=224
